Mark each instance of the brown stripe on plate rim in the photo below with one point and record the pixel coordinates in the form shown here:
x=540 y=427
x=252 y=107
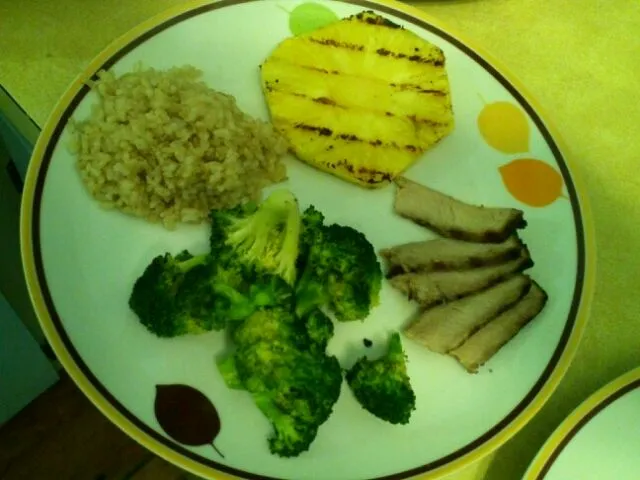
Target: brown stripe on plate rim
x=582 y=423
x=46 y=294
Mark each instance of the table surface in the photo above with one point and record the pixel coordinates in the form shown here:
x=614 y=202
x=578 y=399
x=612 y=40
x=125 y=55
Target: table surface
x=578 y=59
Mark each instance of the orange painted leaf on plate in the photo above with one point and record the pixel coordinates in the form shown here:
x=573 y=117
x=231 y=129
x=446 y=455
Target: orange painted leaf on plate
x=532 y=181
x=504 y=127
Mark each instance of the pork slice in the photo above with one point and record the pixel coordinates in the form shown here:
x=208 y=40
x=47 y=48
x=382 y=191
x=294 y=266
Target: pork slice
x=448 y=254
x=486 y=342
x=445 y=327
x=432 y=288
x=452 y=218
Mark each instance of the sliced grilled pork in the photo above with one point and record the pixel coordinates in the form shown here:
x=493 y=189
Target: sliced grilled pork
x=452 y=218
x=432 y=288
x=448 y=254
x=445 y=327
x=486 y=342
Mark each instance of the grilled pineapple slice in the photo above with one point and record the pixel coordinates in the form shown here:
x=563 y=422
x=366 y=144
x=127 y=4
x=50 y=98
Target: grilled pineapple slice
x=361 y=98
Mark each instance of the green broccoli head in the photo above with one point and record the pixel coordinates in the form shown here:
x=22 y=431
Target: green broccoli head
x=196 y=299
x=382 y=386
x=262 y=238
x=154 y=297
x=319 y=328
x=313 y=387
x=297 y=393
x=269 y=325
x=227 y=368
x=290 y=437
x=310 y=230
x=214 y=296
x=341 y=272
x=295 y=386
x=219 y=294
x=189 y=295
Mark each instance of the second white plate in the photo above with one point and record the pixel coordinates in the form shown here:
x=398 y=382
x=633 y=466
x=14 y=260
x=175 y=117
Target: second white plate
x=600 y=440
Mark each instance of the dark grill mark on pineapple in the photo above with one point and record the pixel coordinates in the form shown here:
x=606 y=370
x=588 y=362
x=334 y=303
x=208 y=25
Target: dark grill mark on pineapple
x=417 y=88
x=350 y=137
x=330 y=42
x=425 y=121
x=321 y=70
x=367 y=175
x=373 y=19
x=324 y=101
x=437 y=62
x=322 y=131
x=376 y=176
x=415 y=119
x=329 y=102
x=321 y=100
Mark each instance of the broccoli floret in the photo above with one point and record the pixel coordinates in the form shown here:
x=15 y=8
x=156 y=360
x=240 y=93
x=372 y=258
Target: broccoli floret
x=197 y=299
x=269 y=325
x=218 y=294
x=382 y=386
x=341 y=272
x=290 y=437
x=263 y=239
x=319 y=328
x=294 y=385
x=227 y=368
x=313 y=388
x=312 y=223
x=190 y=295
x=154 y=296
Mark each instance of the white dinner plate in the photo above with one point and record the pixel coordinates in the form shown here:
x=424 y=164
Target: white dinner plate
x=81 y=260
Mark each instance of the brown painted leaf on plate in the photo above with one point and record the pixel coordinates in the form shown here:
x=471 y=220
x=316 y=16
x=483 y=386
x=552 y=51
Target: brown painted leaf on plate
x=187 y=415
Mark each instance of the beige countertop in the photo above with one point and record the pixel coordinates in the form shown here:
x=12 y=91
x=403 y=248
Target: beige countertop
x=580 y=60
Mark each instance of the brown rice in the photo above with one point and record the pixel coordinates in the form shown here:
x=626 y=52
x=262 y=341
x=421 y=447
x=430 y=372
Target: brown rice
x=164 y=146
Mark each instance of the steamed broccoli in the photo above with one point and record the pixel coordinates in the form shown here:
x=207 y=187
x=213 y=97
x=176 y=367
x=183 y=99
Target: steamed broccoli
x=290 y=437
x=312 y=223
x=268 y=279
x=227 y=368
x=382 y=386
x=294 y=385
x=340 y=271
x=219 y=294
x=192 y=295
x=252 y=264
x=319 y=328
x=154 y=297
x=263 y=239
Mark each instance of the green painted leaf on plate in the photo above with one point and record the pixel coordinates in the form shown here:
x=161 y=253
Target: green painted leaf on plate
x=308 y=17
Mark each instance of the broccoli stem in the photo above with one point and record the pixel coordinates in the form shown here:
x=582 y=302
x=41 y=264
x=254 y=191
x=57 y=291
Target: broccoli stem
x=309 y=295
x=240 y=306
x=187 y=265
x=394 y=349
x=227 y=368
x=266 y=406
